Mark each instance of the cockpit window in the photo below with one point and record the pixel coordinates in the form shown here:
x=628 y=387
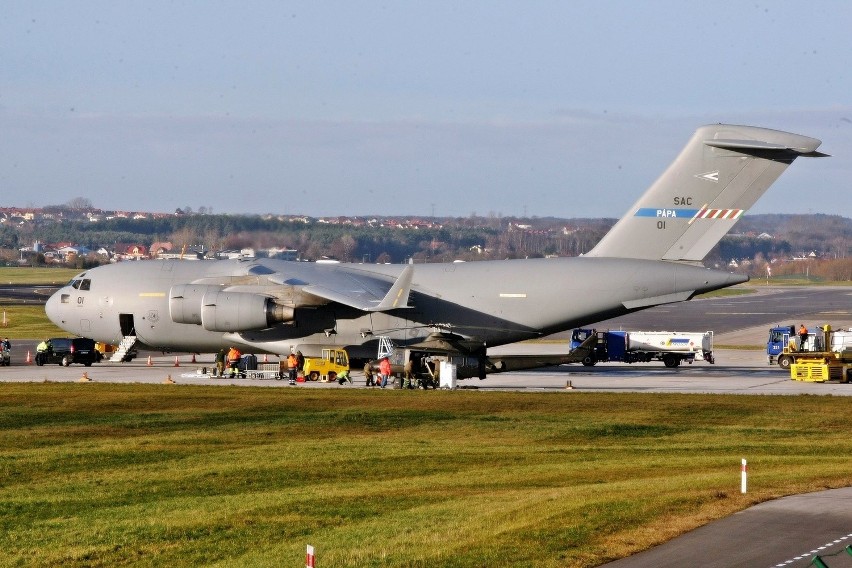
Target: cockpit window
x=76 y=281
x=80 y=283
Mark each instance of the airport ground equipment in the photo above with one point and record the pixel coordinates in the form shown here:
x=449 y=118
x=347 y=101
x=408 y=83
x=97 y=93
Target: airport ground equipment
x=326 y=367
x=833 y=363
x=467 y=358
x=786 y=337
x=784 y=344
x=265 y=371
x=670 y=347
x=124 y=352
x=822 y=367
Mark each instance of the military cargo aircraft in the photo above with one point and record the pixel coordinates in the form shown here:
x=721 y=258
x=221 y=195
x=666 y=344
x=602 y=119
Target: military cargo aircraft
x=651 y=256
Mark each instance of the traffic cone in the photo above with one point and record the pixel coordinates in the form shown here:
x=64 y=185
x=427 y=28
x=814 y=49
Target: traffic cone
x=265 y=358
x=150 y=363
x=177 y=363
x=84 y=379
x=29 y=358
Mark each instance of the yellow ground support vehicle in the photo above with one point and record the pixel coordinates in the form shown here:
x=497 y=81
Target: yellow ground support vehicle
x=834 y=364
x=827 y=367
x=105 y=350
x=332 y=363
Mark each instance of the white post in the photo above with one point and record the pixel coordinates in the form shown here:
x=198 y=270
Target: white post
x=744 y=475
x=309 y=557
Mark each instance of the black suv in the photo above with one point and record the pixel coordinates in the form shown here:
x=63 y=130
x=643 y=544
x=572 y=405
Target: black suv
x=67 y=350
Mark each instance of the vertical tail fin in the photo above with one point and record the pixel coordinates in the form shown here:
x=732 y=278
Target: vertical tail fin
x=720 y=173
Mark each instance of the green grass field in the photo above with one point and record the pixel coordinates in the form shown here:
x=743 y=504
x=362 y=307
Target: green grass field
x=28 y=322
x=41 y=275
x=112 y=475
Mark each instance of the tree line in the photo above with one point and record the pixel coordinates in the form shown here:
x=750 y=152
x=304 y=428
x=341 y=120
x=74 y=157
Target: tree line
x=757 y=238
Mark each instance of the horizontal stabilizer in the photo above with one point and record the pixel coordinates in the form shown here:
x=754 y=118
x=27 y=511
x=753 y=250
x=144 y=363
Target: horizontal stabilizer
x=656 y=300
x=763 y=146
x=720 y=173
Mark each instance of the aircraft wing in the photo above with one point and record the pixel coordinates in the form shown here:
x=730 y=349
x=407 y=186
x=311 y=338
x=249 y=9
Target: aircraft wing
x=359 y=290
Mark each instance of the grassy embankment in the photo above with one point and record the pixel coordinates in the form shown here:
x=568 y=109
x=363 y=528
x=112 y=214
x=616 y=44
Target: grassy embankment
x=109 y=475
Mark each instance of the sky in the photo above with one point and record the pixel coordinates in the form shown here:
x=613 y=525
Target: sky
x=447 y=108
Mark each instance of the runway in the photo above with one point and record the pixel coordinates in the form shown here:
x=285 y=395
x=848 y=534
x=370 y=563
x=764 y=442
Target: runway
x=786 y=532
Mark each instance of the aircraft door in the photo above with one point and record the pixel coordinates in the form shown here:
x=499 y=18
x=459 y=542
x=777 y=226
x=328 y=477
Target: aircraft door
x=127 y=325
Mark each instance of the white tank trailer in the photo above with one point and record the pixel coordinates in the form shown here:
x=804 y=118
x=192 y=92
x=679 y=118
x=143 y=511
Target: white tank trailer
x=700 y=343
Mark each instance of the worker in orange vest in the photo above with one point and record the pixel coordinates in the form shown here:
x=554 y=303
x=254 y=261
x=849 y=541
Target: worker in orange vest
x=384 y=371
x=292 y=367
x=803 y=337
x=234 y=361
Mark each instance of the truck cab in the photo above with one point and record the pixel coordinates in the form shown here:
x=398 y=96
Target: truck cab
x=780 y=338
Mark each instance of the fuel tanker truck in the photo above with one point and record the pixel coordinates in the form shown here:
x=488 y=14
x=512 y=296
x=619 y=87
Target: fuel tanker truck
x=670 y=347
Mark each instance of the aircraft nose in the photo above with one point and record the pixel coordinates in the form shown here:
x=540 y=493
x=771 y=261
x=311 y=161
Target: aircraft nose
x=52 y=309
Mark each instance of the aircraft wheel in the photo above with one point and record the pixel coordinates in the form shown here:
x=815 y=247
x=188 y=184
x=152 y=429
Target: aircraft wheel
x=784 y=361
x=66 y=360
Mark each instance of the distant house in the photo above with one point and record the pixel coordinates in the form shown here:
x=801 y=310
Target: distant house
x=71 y=253
x=130 y=251
x=232 y=254
x=160 y=248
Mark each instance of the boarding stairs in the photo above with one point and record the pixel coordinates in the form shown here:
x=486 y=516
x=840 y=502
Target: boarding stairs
x=128 y=342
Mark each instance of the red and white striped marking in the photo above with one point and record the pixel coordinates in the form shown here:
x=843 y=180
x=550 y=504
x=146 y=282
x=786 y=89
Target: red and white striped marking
x=707 y=213
x=309 y=557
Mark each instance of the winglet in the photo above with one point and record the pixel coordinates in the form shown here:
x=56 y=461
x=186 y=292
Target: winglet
x=397 y=296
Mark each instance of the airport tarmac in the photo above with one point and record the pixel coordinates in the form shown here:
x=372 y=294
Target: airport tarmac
x=736 y=372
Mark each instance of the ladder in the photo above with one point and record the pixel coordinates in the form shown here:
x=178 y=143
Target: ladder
x=386 y=346
x=128 y=342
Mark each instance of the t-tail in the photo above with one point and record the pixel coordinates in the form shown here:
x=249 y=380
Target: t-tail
x=718 y=176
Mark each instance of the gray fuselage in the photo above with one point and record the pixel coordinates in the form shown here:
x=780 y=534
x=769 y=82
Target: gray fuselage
x=492 y=302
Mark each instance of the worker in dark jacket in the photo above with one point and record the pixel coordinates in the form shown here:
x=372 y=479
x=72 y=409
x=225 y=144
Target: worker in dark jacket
x=368 y=374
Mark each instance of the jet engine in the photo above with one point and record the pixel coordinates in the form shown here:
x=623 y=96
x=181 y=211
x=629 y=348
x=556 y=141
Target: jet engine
x=216 y=309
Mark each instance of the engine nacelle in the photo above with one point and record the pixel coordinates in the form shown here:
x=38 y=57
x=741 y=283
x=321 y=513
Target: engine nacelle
x=185 y=302
x=220 y=310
